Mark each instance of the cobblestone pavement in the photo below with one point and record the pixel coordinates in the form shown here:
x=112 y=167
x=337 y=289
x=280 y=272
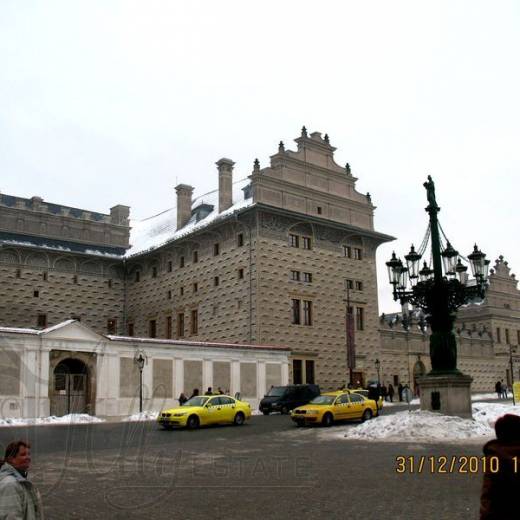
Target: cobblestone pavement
x=265 y=469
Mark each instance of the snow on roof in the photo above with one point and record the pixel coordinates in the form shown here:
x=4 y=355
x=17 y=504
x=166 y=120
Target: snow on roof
x=18 y=330
x=160 y=229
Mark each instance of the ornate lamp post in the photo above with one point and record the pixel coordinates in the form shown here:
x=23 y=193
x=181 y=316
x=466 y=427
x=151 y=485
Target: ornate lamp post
x=439 y=289
x=377 y=363
x=140 y=361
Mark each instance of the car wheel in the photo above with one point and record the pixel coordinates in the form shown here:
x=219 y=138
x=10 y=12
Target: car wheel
x=284 y=410
x=265 y=412
x=239 y=419
x=327 y=420
x=367 y=415
x=193 y=422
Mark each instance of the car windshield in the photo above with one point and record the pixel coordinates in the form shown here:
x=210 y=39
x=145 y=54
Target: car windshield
x=199 y=400
x=323 y=399
x=276 y=391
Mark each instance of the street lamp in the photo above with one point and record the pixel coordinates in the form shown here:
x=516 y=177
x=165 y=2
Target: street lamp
x=440 y=291
x=377 y=363
x=140 y=361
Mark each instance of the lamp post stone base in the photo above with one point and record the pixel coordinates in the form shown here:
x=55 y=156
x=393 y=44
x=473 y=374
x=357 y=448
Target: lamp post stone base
x=448 y=394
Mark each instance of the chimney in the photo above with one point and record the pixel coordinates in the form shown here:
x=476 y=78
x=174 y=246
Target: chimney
x=184 y=193
x=119 y=215
x=225 y=184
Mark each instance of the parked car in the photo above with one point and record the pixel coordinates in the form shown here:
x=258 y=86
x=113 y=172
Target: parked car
x=285 y=398
x=205 y=409
x=335 y=406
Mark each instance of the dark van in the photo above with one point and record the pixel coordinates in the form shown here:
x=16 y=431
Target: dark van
x=284 y=398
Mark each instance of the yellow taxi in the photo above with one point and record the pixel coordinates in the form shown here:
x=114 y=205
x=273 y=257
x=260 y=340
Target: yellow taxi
x=203 y=410
x=335 y=406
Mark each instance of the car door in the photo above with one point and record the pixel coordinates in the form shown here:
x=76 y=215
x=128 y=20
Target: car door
x=357 y=406
x=228 y=408
x=212 y=411
x=341 y=408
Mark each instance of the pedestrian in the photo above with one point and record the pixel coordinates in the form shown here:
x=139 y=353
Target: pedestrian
x=19 y=498
x=499 y=497
x=220 y=391
x=384 y=392
x=503 y=389
x=182 y=399
x=400 y=391
x=209 y=391
x=498 y=389
x=391 y=392
x=195 y=393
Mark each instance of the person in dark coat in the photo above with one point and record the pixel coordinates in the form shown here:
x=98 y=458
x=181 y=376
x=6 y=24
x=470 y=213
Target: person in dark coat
x=384 y=392
x=391 y=392
x=195 y=393
x=499 y=497
x=498 y=389
x=400 y=391
x=182 y=399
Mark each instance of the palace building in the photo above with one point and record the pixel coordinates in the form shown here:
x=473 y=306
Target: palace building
x=267 y=259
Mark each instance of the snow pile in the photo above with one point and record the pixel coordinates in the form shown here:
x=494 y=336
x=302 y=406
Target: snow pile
x=424 y=426
x=147 y=415
x=481 y=397
x=73 y=418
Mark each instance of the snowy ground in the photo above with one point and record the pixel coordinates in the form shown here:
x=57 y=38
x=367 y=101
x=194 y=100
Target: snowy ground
x=74 y=418
x=422 y=426
x=147 y=415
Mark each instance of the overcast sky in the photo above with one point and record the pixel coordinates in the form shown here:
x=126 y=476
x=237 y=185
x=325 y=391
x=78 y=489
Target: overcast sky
x=115 y=102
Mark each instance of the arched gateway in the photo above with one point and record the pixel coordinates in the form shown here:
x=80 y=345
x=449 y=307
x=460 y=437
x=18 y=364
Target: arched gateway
x=70 y=388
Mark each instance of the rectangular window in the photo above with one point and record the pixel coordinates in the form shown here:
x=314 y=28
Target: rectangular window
x=306 y=242
x=130 y=328
x=359 y=286
x=360 y=318
x=309 y=371
x=518 y=337
x=152 y=328
x=294 y=240
x=195 y=287
x=109 y=283
x=295 y=304
x=195 y=257
x=347 y=251
x=75 y=279
x=168 y=327
x=240 y=274
x=507 y=336
x=111 y=326
x=169 y=295
x=319 y=210
x=44 y=276
x=307 y=277
x=137 y=277
x=170 y=266
x=216 y=249
x=498 y=336
x=36 y=294
x=181 y=261
x=194 y=321
x=349 y=284
x=154 y=272
x=42 y=320
x=358 y=254
x=240 y=239
x=396 y=380
x=297 y=371
x=295 y=275
x=216 y=281
x=181 y=290
x=18 y=273
x=307 y=312
x=180 y=325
